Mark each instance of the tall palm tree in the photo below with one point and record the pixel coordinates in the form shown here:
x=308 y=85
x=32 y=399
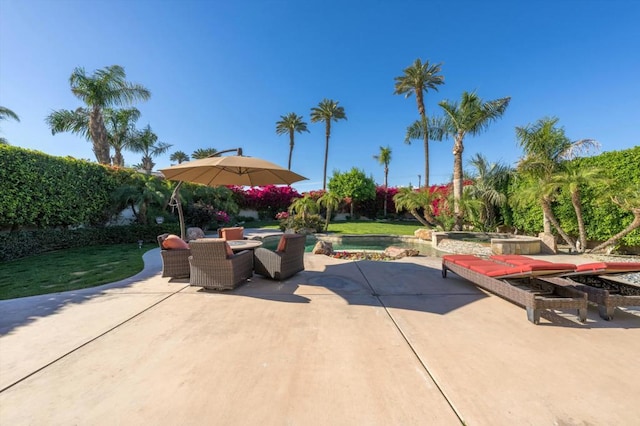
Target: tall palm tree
x=384 y=158
x=4 y=114
x=489 y=181
x=107 y=87
x=471 y=116
x=203 y=153
x=290 y=123
x=545 y=148
x=121 y=130
x=179 y=156
x=417 y=79
x=146 y=142
x=573 y=178
x=327 y=111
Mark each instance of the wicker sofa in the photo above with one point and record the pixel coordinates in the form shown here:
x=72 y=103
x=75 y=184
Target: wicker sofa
x=175 y=262
x=214 y=266
x=286 y=261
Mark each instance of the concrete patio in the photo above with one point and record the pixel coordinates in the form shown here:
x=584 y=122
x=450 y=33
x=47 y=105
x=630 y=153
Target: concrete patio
x=342 y=343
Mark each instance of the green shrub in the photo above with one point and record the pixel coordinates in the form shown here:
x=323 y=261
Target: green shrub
x=15 y=245
x=297 y=223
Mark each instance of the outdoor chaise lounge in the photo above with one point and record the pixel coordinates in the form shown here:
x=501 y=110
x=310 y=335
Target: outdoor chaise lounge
x=287 y=260
x=597 y=280
x=215 y=266
x=520 y=284
x=175 y=256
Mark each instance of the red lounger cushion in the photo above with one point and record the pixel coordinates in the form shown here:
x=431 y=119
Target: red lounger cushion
x=516 y=259
x=456 y=258
x=609 y=267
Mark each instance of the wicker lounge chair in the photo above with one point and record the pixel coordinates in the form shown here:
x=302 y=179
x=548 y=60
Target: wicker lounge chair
x=175 y=262
x=229 y=234
x=214 y=266
x=520 y=283
x=598 y=282
x=286 y=261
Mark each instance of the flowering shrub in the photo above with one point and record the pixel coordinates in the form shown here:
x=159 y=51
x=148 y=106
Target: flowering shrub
x=360 y=255
x=267 y=200
x=282 y=215
x=205 y=216
x=297 y=223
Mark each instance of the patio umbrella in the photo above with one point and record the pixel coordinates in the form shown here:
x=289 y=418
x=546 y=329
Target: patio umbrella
x=228 y=170
x=232 y=170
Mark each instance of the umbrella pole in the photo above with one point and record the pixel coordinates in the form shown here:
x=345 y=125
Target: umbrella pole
x=175 y=201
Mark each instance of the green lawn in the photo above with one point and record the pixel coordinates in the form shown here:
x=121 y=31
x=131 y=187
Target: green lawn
x=356 y=227
x=371 y=227
x=70 y=269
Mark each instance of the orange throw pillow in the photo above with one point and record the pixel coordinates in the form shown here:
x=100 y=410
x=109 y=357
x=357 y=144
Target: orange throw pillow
x=229 y=250
x=282 y=245
x=173 y=242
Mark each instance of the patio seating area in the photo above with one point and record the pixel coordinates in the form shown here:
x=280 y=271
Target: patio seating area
x=341 y=342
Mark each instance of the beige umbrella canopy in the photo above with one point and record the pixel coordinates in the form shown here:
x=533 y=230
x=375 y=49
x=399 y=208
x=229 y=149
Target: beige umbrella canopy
x=230 y=170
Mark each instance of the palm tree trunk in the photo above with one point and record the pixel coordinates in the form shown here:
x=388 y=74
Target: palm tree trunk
x=577 y=206
x=546 y=207
x=419 y=218
x=457 y=181
x=632 y=226
x=386 y=175
x=426 y=149
x=326 y=154
x=99 y=136
x=290 y=147
x=118 y=159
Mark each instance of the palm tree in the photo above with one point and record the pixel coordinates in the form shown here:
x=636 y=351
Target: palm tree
x=471 y=116
x=573 y=178
x=179 y=156
x=303 y=206
x=545 y=147
x=411 y=200
x=290 y=124
x=327 y=111
x=105 y=88
x=489 y=181
x=121 y=130
x=4 y=114
x=147 y=143
x=418 y=79
x=331 y=201
x=201 y=153
x=384 y=158
x=630 y=201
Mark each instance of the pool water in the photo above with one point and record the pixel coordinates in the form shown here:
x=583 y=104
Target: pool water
x=361 y=243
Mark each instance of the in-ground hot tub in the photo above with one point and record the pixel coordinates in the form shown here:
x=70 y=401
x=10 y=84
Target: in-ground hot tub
x=500 y=243
x=516 y=245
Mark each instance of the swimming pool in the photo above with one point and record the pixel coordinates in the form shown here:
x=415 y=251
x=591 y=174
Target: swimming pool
x=362 y=243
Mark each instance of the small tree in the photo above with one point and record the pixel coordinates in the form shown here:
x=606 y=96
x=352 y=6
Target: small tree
x=331 y=202
x=353 y=184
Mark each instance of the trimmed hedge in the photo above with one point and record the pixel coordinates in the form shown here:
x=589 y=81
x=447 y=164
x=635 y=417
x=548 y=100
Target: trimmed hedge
x=40 y=190
x=602 y=217
x=15 y=245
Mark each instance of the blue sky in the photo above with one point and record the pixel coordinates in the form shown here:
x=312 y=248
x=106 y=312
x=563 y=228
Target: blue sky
x=221 y=73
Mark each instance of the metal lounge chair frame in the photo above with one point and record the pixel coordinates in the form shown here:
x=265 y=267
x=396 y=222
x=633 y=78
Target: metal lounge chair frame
x=598 y=281
x=519 y=284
